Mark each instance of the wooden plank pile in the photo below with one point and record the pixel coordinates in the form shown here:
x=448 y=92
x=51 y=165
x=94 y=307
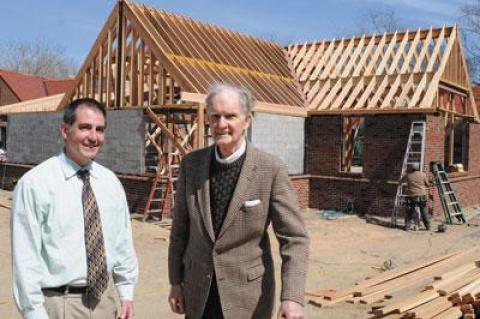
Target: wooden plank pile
x=442 y=287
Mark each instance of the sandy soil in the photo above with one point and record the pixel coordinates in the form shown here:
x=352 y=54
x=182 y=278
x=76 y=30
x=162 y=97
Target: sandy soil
x=343 y=251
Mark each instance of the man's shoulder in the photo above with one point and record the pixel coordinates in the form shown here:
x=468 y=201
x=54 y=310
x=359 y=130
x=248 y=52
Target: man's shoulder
x=104 y=171
x=46 y=167
x=265 y=158
x=197 y=155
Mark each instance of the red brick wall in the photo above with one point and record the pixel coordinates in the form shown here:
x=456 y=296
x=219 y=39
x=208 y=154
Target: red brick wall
x=6 y=94
x=366 y=197
x=466 y=185
x=301 y=185
x=323 y=145
x=435 y=147
x=385 y=141
x=474 y=149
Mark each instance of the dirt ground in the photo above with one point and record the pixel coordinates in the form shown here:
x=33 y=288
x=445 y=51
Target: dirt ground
x=342 y=252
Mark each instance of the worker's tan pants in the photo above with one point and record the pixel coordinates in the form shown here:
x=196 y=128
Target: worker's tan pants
x=78 y=306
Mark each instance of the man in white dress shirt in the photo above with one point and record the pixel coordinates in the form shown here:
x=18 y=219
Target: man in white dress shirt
x=70 y=227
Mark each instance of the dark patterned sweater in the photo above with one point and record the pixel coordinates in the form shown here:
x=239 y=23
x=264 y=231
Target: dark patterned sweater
x=223 y=179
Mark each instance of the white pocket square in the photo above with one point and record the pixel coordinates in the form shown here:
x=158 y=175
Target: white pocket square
x=251 y=203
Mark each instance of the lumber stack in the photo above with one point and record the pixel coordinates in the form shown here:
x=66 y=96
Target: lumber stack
x=442 y=287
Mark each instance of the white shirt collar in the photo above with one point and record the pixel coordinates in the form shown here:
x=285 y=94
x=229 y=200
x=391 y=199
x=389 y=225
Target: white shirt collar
x=70 y=168
x=232 y=158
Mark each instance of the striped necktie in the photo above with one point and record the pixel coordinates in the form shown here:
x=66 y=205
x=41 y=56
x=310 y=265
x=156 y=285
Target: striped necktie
x=97 y=273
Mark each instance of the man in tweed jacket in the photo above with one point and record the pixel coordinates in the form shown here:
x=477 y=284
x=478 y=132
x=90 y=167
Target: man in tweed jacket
x=220 y=262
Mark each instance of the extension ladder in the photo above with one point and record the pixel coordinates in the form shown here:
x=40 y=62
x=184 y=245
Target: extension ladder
x=448 y=198
x=414 y=154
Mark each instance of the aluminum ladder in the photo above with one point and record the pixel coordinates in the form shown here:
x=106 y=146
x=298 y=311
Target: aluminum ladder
x=414 y=154
x=448 y=198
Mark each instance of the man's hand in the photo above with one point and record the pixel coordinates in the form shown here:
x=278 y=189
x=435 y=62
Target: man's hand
x=175 y=299
x=127 y=309
x=290 y=310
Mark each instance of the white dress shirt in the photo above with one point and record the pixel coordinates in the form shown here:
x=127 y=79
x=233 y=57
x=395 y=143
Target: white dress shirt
x=232 y=158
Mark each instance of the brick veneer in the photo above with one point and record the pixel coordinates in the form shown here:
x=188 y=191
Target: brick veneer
x=385 y=141
x=301 y=185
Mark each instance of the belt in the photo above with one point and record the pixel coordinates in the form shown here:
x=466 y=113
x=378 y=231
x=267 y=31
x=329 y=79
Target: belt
x=67 y=289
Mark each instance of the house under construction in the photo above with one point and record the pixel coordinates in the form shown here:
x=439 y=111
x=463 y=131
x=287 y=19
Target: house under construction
x=337 y=112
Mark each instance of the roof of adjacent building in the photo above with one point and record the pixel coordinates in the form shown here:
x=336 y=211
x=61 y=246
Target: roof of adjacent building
x=27 y=86
x=43 y=104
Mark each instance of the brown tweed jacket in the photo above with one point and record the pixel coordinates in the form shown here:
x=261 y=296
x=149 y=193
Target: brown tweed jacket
x=240 y=257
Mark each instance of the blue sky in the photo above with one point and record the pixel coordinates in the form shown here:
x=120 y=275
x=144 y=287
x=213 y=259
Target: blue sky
x=74 y=25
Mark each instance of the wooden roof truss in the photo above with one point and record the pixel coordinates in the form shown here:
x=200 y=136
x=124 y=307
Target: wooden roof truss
x=123 y=70
x=396 y=72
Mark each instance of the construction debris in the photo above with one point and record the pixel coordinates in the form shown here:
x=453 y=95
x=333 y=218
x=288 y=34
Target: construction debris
x=442 y=287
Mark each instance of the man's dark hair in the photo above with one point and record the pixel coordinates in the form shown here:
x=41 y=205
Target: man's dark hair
x=69 y=115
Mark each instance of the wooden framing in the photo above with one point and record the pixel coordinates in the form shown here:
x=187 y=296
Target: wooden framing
x=350 y=131
x=400 y=72
x=145 y=56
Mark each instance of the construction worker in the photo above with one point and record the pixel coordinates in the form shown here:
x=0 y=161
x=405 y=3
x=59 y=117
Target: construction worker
x=417 y=186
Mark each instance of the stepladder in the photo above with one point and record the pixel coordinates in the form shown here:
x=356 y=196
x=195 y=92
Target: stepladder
x=162 y=193
x=450 y=203
x=414 y=154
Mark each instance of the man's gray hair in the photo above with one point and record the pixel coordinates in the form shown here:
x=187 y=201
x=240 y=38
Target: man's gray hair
x=244 y=95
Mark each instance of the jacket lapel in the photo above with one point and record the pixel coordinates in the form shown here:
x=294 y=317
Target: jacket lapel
x=202 y=181
x=247 y=175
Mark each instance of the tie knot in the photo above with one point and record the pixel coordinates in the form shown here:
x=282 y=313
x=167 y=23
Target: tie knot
x=84 y=174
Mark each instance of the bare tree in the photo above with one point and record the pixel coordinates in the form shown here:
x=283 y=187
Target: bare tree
x=471 y=36
x=379 y=21
x=38 y=58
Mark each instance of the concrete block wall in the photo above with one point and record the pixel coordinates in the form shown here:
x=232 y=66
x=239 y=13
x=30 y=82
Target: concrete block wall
x=283 y=136
x=124 y=147
x=34 y=137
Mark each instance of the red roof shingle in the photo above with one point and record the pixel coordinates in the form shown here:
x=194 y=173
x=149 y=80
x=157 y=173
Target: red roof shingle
x=27 y=86
x=57 y=86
